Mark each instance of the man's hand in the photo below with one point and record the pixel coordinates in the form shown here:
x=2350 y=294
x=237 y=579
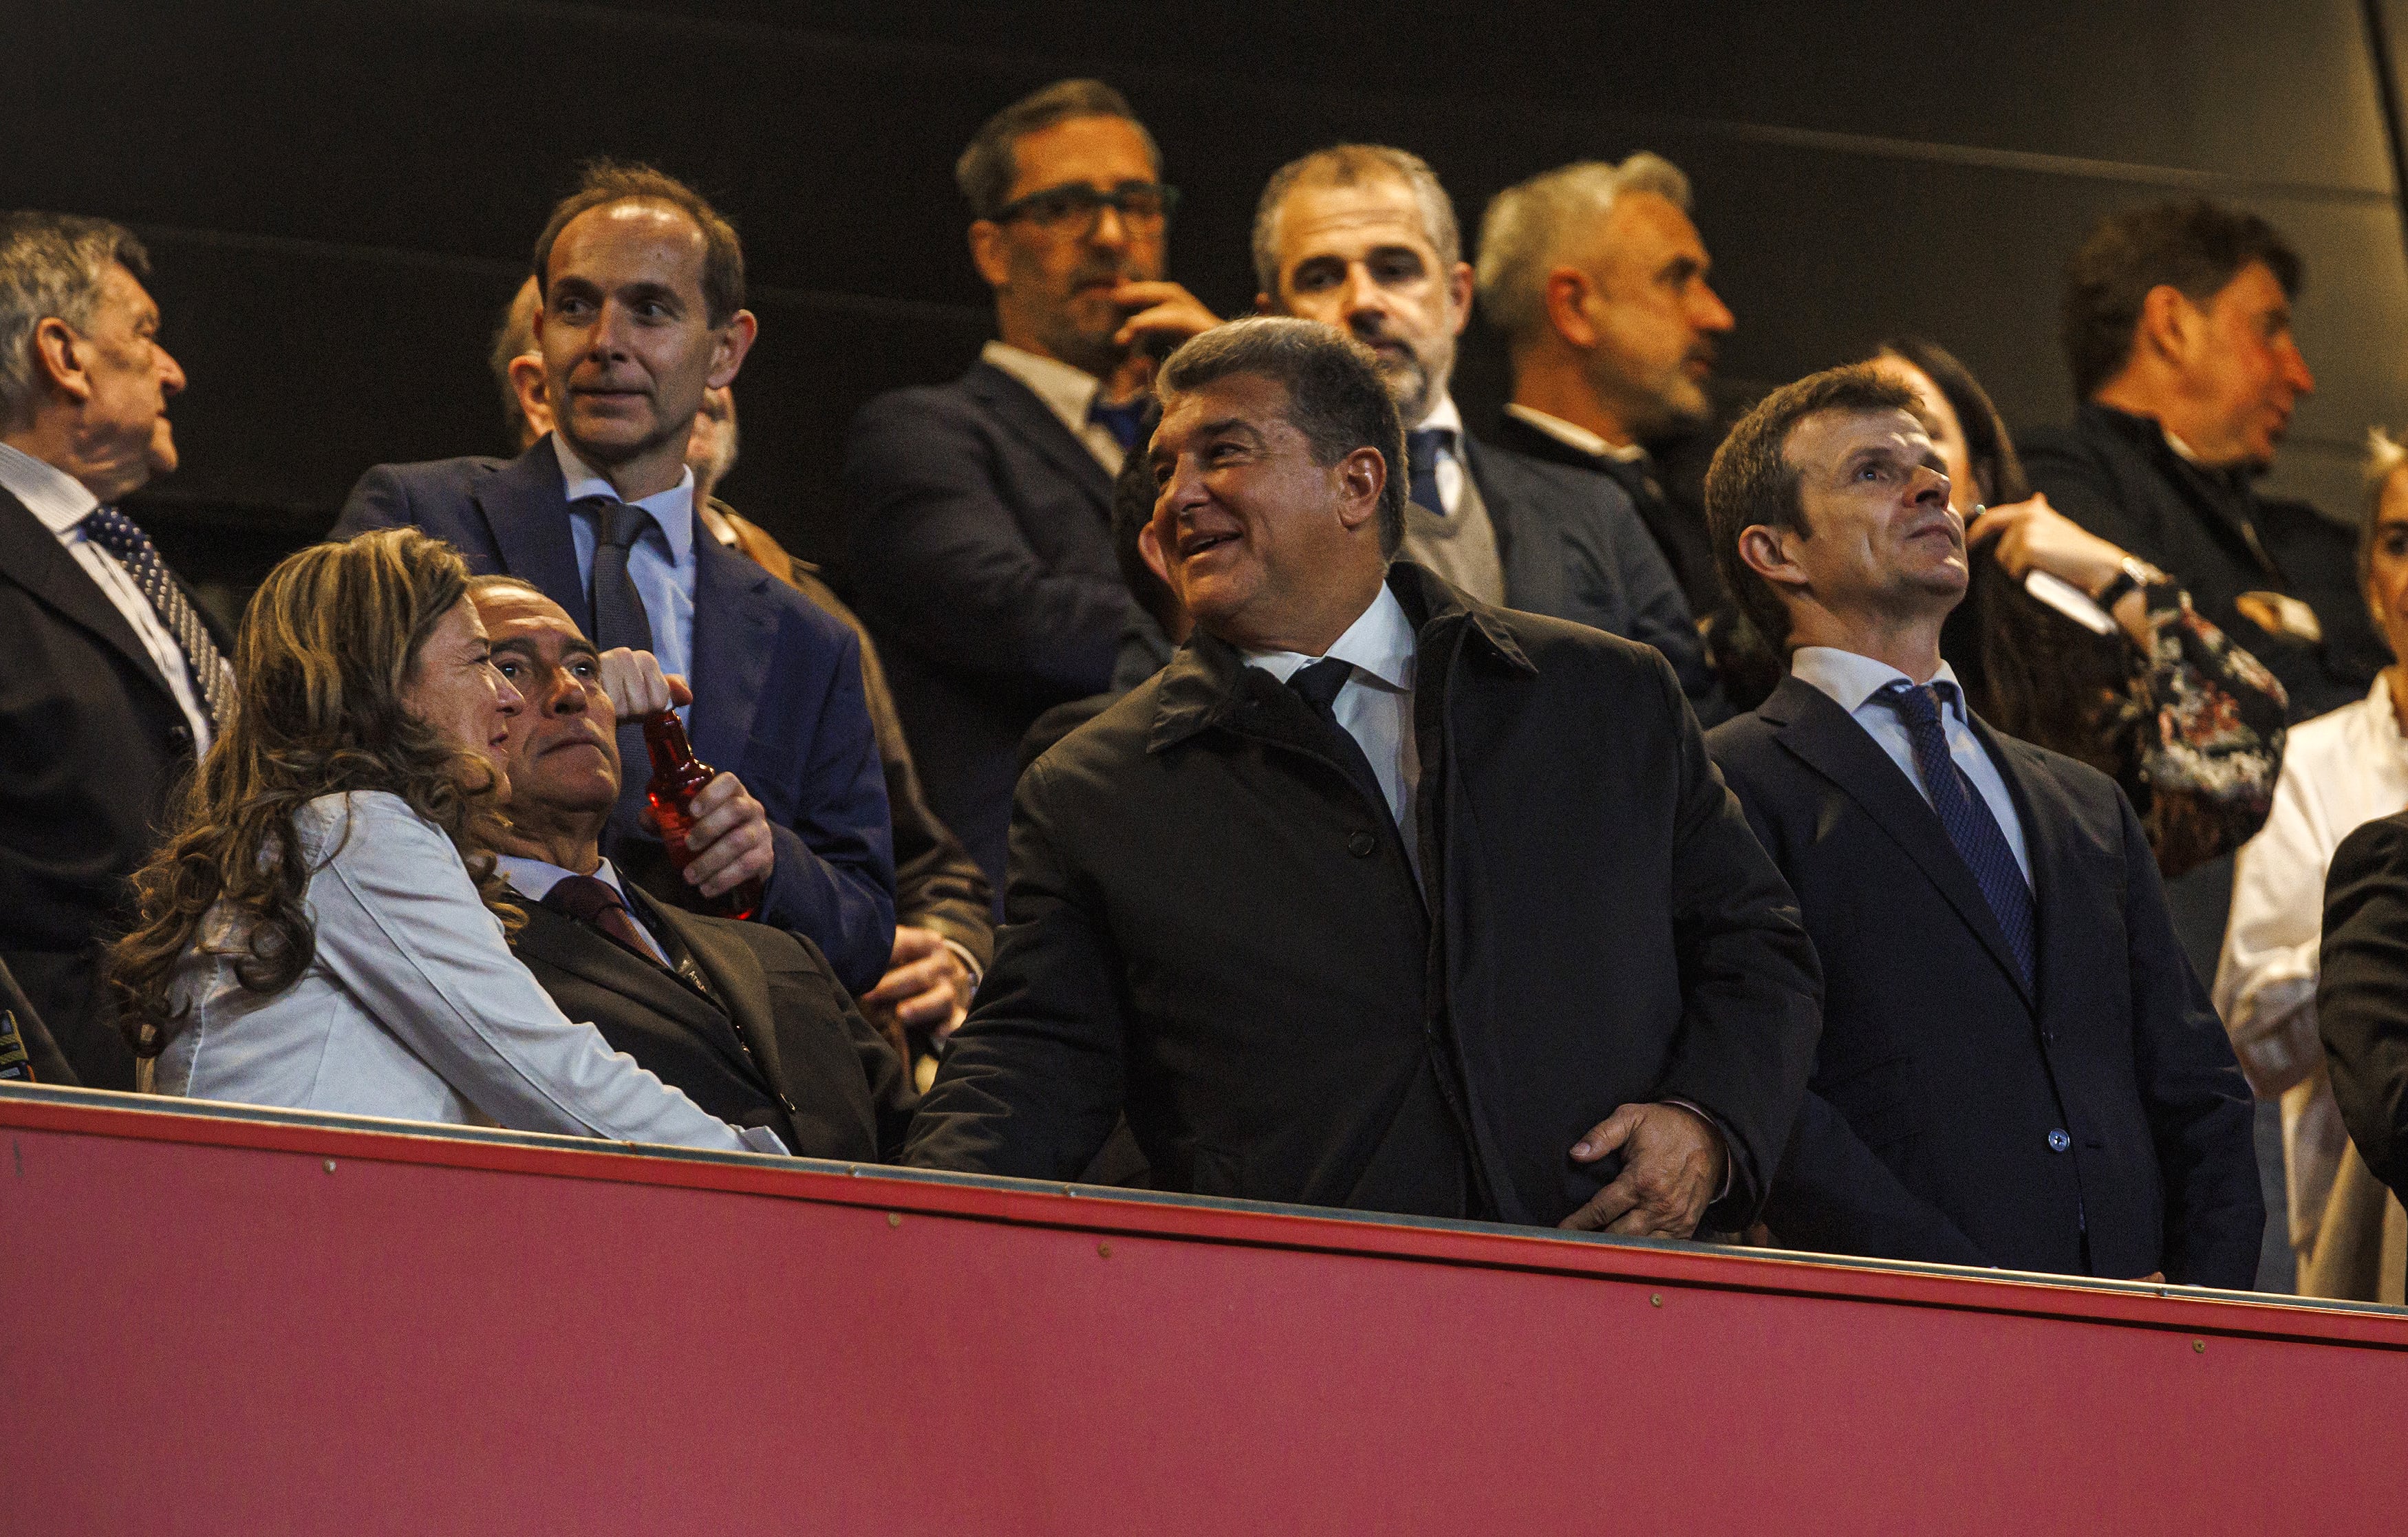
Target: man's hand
x=1672 y=1166
x=637 y=686
x=730 y=839
x=1162 y=310
x=925 y=987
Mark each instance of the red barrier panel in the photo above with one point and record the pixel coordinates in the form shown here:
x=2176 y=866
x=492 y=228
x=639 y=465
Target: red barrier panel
x=285 y=1324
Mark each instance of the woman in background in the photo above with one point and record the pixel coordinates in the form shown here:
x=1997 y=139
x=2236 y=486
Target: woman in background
x=325 y=928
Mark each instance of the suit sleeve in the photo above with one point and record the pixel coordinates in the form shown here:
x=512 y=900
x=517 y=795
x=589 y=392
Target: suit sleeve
x=2361 y=1012
x=380 y=501
x=1033 y=1083
x=941 y=557
x=1660 y=617
x=2200 y=1109
x=1752 y=990
x=834 y=875
x=2078 y=486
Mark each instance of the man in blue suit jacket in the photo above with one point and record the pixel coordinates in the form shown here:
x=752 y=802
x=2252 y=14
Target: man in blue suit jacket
x=642 y=311
x=2018 y=1067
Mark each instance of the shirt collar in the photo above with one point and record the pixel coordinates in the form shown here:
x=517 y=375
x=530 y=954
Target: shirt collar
x=534 y=879
x=1442 y=417
x=1852 y=679
x=1574 y=435
x=51 y=493
x=1067 y=392
x=672 y=510
x=1380 y=643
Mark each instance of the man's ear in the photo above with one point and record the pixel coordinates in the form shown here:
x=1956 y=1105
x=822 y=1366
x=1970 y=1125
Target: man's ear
x=1458 y=294
x=535 y=399
x=1149 y=548
x=735 y=340
x=2169 y=325
x=1768 y=551
x=61 y=368
x=987 y=254
x=1362 y=474
x=1566 y=294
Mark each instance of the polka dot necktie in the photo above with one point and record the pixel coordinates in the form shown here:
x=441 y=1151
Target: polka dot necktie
x=1979 y=839
x=124 y=539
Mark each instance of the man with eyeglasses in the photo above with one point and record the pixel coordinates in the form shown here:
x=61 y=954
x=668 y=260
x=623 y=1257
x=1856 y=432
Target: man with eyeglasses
x=980 y=511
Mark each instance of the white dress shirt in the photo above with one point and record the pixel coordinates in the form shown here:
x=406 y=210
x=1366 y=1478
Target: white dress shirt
x=1376 y=704
x=1067 y=392
x=1444 y=417
x=1574 y=435
x=61 y=503
x=1853 y=682
x=2339 y=772
x=412 y=1006
x=660 y=562
x=534 y=879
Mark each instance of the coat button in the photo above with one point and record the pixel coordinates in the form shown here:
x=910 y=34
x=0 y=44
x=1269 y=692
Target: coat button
x=2058 y=1142
x=1362 y=845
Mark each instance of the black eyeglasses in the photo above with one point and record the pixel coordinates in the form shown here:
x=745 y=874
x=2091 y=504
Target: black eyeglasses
x=1075 y=208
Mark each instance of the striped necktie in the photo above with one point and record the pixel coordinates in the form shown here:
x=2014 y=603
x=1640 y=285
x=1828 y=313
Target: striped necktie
x=118 y=534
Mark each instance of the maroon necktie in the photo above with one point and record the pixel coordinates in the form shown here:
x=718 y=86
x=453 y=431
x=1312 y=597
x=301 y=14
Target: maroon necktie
x=595 y=903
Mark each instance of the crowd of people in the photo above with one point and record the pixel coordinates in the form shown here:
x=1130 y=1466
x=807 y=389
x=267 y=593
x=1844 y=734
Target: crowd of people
x=1676 y=814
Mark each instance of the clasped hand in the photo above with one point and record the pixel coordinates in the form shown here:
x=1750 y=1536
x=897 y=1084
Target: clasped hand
x=730 y=839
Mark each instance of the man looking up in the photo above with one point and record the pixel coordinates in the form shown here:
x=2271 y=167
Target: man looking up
x=117 y=681
x=1363 y=237
x=2177 y=325
x=746 y=1019
x=1320 y=905
x=2017 y=1064
x=642 y=310
x=980 y=511
x=1598 y=279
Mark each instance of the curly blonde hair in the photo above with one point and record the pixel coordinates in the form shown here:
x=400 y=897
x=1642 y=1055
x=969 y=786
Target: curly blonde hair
x=324 y=651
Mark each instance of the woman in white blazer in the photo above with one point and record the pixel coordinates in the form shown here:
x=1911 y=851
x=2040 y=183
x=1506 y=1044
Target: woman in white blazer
x=326 y=929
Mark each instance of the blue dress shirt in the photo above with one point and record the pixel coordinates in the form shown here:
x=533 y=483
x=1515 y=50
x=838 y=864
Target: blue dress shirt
x=660 y=562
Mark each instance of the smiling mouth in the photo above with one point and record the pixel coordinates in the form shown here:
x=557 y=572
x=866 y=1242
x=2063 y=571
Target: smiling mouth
x=1196 y=544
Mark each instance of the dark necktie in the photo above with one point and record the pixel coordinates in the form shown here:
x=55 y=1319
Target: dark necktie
x=1318 y=685
x=619 y=618
x=594 y=903
x=1421 y=447
x=1123 y=422
x=118 y=534
x=1965 y=815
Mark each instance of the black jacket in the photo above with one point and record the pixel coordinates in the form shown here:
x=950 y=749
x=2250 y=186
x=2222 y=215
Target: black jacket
x=1952 y=1115
x=1212 y=927
x=769 y=1037
x=2115 y=474
x=91 y=745
x=2362 y=992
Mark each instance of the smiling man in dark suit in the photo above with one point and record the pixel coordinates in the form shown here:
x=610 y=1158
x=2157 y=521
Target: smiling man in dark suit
x=642 y=310
x=116 y=680
x=2018 y=1067
x=747 y=1020
x=980 y=511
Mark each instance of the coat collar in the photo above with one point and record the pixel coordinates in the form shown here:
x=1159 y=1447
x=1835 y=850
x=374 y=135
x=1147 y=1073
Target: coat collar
x=560 y=940
x=1029 y=419
x=1810 y=726
x=1207 y=682
x=525 y=508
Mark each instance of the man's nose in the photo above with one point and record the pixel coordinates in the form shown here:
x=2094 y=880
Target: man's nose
x=609 y=338
x=171 y=374
x=2295 y=369
x=1362 y=293
x=1928 y=485
x=1108 y=230
x=1708 y=313
x=568 y=694
x=507 y=697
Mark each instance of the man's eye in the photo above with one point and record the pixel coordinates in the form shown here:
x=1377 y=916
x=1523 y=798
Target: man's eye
x=1400 y=270
x=508 y=670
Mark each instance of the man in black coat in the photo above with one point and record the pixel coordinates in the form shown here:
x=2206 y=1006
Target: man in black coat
x=746 y=1019
x=2018 y=1067
x=1457 y=921
x=980 y=511
x=116 y=679
x=1362 y=237
x=2362 y=992
x=2177 y=325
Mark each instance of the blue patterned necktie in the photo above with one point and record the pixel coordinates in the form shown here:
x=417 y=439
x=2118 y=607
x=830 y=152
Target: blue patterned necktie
x=618 y=617
x=1966 y=817
x=1124 y=422
x=1422 y=447
x=124 y=539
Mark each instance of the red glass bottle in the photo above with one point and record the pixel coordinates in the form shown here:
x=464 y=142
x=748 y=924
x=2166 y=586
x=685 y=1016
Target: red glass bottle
x=678 y=777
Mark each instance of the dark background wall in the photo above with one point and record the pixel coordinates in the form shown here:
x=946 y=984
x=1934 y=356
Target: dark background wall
x=339 y=198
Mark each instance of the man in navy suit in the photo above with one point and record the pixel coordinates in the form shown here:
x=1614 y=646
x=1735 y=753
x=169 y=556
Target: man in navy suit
x=2017 y=1066
x=641 y=311
x=980 y=511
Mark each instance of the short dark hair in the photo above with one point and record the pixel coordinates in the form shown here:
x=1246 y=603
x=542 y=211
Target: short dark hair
x=513 y=339
x=1335 y=395
x=602 y=183
x=2193 y=245
x=1752 y=482
x=988 y=168
x=1133 y=499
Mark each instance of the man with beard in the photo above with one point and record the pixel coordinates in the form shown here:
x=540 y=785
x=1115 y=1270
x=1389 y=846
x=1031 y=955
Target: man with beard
x=980 y=511
x=1598 y=279
x=1363 y=237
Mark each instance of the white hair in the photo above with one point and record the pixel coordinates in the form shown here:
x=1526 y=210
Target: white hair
x=52 y=266
x=1531 y=229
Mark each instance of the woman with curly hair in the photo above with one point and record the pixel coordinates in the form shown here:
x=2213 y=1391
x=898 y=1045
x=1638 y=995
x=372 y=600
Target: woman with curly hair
x=325 y=928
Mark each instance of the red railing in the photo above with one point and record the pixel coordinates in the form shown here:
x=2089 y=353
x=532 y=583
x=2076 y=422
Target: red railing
x=262 y=1322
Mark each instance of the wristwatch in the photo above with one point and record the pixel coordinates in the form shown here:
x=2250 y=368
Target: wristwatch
x=2137 y=573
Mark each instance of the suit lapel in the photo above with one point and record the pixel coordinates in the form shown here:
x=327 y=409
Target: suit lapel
x=736 y=976
x=562 y=942
x=525 y=508
x=1026 y=417
x=32 y=556
x=1822 y=735
x=734 y=629
x=2048 y=821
